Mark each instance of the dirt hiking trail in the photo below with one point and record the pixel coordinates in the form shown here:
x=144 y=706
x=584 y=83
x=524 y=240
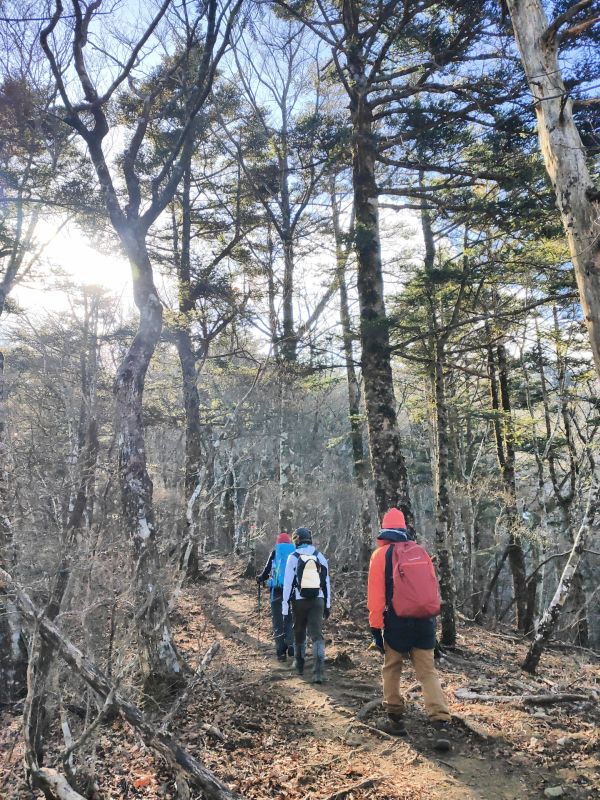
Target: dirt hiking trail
x=318 y=741
x=275 y=736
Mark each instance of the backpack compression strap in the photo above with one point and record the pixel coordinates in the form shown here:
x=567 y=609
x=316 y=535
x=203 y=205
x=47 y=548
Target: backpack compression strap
x=389 y=577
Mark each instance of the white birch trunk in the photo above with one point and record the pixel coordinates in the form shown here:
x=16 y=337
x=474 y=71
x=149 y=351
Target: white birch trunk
x=564 y=156
x=547 y=623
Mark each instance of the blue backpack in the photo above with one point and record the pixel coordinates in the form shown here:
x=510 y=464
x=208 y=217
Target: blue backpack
x=282 y=551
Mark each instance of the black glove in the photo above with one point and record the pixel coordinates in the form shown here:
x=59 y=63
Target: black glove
x=326 y=613
x=377 y=635
x=259 y=580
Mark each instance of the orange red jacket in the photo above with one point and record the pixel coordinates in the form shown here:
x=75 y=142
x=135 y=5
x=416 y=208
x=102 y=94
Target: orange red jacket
x=393 y=530
x=376 y=586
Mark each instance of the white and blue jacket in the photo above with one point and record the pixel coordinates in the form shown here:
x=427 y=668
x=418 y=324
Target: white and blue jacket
x=290 y=576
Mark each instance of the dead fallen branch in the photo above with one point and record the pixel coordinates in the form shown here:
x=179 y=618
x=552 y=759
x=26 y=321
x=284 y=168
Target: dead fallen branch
x=522 y=699
x=57 y=784
x=372 y=728
x=76 y=745
x=165 y=745
x=195 y=680
x=345 y=790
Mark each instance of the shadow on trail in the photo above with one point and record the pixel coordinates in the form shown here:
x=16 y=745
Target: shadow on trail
x=346 y=709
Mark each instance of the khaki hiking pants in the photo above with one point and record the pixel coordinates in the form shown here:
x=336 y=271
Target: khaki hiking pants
x=422 y=661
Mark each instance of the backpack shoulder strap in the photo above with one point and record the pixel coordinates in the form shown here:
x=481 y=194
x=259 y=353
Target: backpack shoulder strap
x=389 y=576
x=322 y=569
x=295 y=578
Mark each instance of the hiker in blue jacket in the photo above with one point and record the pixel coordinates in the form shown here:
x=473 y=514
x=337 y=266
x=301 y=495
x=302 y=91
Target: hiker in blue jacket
x=307 y=589
x=273 y=575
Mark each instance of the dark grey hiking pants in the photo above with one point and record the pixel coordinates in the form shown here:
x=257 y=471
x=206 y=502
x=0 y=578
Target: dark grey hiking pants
x=308 y=616
x=282 y=629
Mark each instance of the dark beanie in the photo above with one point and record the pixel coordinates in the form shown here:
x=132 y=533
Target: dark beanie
x=302 y=536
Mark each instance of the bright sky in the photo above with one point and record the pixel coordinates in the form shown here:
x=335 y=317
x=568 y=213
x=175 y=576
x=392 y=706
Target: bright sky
x=70 y=253
x=70 y=256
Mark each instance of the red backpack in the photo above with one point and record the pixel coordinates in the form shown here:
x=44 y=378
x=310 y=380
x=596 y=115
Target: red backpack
x=411 y=587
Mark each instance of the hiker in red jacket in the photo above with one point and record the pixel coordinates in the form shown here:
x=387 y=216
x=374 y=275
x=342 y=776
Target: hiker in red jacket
x=403 y=602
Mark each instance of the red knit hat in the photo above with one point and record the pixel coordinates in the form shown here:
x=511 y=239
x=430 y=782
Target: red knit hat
x=283 y=538
x=393 y=518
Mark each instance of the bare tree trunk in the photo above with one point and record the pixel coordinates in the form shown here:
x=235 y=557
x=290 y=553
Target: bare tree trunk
x=193 y=445
x=288 y=470
x=547 y=623
x=288 y=349
x=387 y=459
x=13 y=652
x=503 y=429
x=228 y=509
x=443 y=518
x=191 y=396
x=483 y=609
x=360 y=466
x=516 y=557
x=207 y=520
x=443 y=529
x=159 y=658
x=577 y=198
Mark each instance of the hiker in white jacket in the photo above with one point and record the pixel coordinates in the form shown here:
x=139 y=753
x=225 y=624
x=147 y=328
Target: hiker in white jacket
x=307 y=588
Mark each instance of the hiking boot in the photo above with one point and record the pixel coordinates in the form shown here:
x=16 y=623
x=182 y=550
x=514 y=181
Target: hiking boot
x=282 y=657
x=393 y=725
x=318 y=671
x=441 y=741
x=299 y=665
x=290 y=651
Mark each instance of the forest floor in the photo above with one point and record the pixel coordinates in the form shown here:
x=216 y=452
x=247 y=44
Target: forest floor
x=271 y=734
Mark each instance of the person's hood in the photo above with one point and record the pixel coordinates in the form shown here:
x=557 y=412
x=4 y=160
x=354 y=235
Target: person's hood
x=387 y=535
x=305 y=547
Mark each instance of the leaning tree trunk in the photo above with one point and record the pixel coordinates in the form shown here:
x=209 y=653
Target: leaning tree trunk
x=160 y=663
x=577 y=198
x=387 y=459
x=578 y=595
x=561 y=595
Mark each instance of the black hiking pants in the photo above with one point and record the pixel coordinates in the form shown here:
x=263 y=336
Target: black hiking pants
x=308 y=616
x=282 y=627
